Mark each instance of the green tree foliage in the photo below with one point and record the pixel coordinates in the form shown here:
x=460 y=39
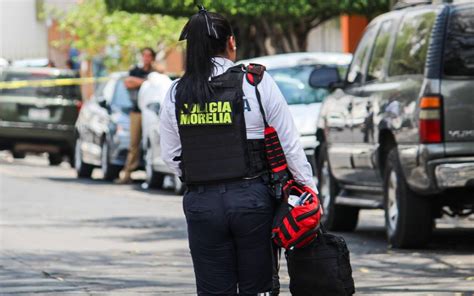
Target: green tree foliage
x=262 y=26
x=119 y=35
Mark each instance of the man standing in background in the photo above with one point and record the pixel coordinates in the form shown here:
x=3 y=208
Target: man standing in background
x=137 y=75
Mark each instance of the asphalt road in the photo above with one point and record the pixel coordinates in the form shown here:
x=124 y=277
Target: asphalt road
x=60 y=236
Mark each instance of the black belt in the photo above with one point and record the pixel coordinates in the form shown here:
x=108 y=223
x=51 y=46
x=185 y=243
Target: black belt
x=217 y=185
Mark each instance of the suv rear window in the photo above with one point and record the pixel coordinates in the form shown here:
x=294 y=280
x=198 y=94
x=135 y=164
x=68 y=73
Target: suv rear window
x=411 y=44
x=66 y=91
x=459 y=46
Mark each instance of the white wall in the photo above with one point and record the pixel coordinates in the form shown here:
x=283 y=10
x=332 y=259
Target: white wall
x=326 y=37
x=21 y=35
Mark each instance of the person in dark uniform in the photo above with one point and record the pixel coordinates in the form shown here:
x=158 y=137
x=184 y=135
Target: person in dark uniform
x=211 y=134
x=137 y=75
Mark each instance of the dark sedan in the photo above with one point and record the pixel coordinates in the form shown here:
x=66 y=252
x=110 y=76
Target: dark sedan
x=40 y=116
x=102 y=130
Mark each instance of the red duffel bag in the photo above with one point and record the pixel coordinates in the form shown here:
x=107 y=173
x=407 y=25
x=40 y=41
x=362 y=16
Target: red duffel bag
x=296 y=224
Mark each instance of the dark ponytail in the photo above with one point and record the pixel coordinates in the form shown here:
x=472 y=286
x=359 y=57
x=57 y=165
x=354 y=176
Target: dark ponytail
x=206 y=34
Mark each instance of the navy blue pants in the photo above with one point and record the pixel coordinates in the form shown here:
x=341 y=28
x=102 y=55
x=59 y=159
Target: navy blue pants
x=229 y=231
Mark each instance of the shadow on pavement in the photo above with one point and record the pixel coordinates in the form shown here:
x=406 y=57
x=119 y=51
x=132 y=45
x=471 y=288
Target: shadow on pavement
x=159 y=228
x=87 y=272
x=137 y=185
x=79 y=180
x=439 y=267
x=459 y=240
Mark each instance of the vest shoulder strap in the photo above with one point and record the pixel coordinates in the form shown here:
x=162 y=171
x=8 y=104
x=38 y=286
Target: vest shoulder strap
x=255 y=73
x=230 y=78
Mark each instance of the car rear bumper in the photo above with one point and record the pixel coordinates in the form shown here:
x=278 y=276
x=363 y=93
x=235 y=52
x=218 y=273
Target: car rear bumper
x=454 y=172
x=32 y=137
x=429 y=171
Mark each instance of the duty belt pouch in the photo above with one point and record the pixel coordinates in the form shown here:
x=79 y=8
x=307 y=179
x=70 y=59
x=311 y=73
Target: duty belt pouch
x=321 y=268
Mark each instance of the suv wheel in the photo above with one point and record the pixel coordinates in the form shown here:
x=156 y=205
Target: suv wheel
x=109 y=171
x=18 y=154
x=83 y=169
x=408 y=217
x=153 y=178
x=335 y=217
x=55 y=159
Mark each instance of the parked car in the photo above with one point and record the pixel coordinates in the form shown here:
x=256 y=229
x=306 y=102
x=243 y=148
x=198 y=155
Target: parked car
x=40 y=62
x=150 y=97
x=291 y=73
x=38 y=118
x=398 y=131
x=103 y=130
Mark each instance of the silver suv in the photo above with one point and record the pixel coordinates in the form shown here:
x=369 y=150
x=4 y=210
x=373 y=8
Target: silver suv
x=398 y=132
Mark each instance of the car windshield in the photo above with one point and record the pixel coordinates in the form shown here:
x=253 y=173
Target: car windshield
x=121 y=98
x=294 y=84
x=66 y=91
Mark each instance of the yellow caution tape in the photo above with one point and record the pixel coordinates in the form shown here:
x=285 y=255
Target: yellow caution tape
x=49 y=82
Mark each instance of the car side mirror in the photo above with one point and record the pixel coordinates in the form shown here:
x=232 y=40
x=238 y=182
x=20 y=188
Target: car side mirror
x=325 y=77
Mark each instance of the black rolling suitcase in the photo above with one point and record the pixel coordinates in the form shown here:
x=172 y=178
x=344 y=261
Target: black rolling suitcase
x=321 y=268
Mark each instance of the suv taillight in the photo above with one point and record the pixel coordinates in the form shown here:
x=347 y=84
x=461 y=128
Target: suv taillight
x=430 y=120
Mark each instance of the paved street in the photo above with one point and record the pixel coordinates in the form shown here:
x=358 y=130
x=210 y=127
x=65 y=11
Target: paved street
x=60 y=235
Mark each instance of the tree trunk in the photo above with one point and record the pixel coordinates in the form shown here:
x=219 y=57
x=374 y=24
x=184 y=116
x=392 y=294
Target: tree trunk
x=259 y=37
x=265 y=38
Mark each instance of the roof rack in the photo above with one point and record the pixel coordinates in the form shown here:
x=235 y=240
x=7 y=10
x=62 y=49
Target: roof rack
x=402 y=4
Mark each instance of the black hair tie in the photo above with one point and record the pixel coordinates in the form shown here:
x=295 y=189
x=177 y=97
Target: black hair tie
x=211 y=30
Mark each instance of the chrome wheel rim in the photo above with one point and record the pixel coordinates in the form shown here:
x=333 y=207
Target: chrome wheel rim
x=325 y=186
x=77 y=155
x=104 y=158
x=392 y=204
x=148 y=164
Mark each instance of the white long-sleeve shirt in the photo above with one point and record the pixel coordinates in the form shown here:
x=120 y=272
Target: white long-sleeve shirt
x=276 y=111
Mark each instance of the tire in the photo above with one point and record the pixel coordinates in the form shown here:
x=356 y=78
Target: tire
x=70 y=157
x=83 y=169
x=179 y=187
x=55 y=159
x=109 y=171
x=153 y=178
x=18 y=154
x=408 y=217
x=335 y=217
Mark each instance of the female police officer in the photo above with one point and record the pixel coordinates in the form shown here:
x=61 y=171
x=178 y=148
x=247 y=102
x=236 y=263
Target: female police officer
x=211 y=135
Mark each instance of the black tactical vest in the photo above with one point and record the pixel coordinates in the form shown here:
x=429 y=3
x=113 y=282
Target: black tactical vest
x=214 y=138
